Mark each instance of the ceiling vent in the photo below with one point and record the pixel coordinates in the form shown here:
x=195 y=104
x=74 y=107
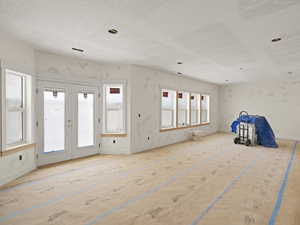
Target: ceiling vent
x=77 y=49
x=113 y=31
x=276 y=39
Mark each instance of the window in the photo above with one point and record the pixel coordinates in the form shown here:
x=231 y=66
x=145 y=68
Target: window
x=205 y=109
x=183 y=109
x=54 y=120
x=114 y=109
x=195 y=109
x=85 y=119
x=15 y=108
x=168 y=109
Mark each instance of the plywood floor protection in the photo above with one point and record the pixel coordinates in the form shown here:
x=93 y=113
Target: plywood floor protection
x=209 y=182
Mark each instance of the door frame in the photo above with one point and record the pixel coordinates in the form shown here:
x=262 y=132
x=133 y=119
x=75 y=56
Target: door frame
x=71 y=150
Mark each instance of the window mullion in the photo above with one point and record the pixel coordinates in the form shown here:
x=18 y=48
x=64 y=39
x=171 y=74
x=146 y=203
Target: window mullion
x=176 y=109
x=190 y=110
x=199 y=108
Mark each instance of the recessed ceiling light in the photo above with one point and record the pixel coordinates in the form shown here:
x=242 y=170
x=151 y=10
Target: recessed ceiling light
x=226 y=80
x=78 y=49
x=179 y=73
x=276 y=39
x=113 y=31
x=241 y=68
x=290 y=73
x=179 y=63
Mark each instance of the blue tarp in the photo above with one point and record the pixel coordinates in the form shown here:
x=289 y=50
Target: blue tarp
x=265 y=134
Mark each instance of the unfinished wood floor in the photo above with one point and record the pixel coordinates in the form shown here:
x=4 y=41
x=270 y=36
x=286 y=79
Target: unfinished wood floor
x=211 y=182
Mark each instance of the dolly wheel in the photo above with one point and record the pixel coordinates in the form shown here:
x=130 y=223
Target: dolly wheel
x=248 y=142
x=236 y=140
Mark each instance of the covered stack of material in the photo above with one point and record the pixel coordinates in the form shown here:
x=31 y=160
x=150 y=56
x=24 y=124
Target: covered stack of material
x=265 y=134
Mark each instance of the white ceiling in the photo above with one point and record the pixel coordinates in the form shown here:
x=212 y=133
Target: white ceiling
x=214 y=39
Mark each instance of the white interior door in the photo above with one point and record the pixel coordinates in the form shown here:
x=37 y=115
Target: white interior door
x=67 y=122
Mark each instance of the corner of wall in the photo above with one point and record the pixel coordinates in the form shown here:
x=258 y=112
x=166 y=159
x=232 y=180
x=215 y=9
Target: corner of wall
x=16 y=55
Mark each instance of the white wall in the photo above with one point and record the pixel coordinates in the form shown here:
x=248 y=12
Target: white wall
x=277 y=100
x=12 y=167
x=17 y=56
x=146 y=85
x=143 y=96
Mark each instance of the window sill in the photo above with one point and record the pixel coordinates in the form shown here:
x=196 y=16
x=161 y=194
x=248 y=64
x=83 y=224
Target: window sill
x=113 y=135
x=180 y=128
x=18 y=148
x=200 y=125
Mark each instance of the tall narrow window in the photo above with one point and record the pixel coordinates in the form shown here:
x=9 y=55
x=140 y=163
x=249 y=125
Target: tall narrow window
x=205 y=108
x=195 y=109
x=54 y=120
x=183 y=109
x=114 y=109
x=168 y=109
x=85 y=119
x=15 y=108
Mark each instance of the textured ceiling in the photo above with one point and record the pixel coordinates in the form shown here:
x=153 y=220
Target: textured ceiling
x=216 y=40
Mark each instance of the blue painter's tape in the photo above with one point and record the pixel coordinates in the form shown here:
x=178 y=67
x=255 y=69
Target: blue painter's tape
x=145 y=194
x=276 y=209
x=62 y=197
x=220 y=196
x=30 y=183
x=41 y=205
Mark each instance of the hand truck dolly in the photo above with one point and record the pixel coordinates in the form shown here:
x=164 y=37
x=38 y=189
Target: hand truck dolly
x=246 y=132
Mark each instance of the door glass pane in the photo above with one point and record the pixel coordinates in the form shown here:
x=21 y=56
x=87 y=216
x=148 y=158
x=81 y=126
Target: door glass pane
x=85 y=119
x=14 y=129
x=54 y=121
x=14 y=90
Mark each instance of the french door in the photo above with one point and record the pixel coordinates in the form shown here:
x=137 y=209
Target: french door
x=68 y=121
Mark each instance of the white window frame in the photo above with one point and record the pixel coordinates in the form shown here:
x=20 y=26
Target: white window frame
x=1 y=108
x=174 y=118
x=198 y=109
x=189 y=122
x=208 y=109
x=188 y=110
x=124 y=107
x=6 y=109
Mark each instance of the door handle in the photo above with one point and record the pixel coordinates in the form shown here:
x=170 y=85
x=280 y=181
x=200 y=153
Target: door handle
x=69 y=123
